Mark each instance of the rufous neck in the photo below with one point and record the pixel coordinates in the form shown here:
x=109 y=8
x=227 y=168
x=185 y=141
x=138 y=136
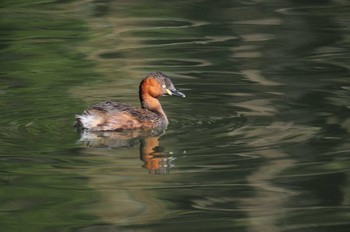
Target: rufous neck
x=152 y=104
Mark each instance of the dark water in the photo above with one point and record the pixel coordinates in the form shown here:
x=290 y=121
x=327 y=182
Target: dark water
x=261 y=143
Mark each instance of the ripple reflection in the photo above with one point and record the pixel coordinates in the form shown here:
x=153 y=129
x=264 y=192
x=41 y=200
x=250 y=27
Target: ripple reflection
x=156 y=159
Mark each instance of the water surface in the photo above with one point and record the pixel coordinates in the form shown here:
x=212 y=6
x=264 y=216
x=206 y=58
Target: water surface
x=260 y=143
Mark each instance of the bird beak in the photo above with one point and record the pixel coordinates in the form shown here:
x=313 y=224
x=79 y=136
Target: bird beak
x=174 y=92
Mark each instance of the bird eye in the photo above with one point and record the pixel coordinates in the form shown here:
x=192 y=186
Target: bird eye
x=163 y=86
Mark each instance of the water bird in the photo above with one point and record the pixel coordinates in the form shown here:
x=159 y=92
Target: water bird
x=112 y=116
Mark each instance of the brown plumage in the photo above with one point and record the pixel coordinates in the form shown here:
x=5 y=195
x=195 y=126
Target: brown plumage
x=107 y=116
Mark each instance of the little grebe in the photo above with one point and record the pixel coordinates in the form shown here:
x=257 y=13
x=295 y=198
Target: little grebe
x=107 y=116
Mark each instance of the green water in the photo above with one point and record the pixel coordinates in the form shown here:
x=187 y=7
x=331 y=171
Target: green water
x=260 y=143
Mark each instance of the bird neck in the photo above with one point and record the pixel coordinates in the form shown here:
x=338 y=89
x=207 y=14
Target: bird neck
x=152 y=104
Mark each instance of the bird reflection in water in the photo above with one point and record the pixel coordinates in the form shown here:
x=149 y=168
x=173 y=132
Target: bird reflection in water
x=156 y=159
